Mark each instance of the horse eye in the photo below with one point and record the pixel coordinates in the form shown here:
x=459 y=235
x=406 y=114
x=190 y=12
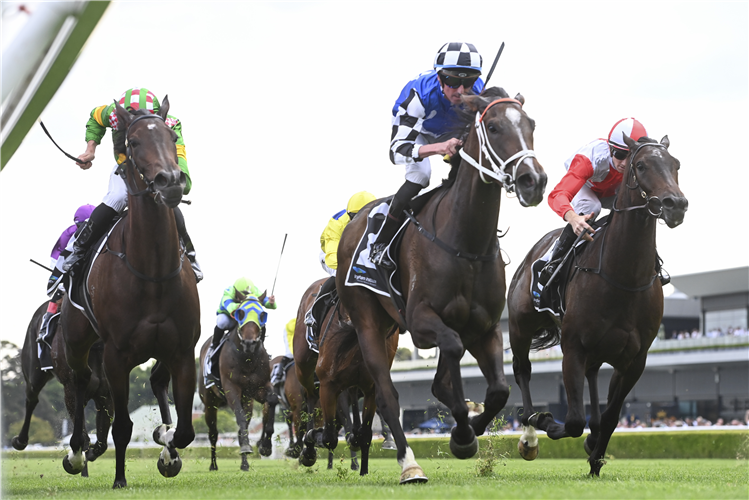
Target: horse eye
x=640 y=166
x=492 y=129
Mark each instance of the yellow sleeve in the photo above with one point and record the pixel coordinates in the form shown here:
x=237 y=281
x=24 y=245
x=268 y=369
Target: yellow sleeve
x=330 y=238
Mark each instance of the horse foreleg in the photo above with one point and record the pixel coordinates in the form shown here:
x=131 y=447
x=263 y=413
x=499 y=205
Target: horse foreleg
x=573 y=372
x=104 y=414
x=490 y=357
x=329 y=407
x=122 y=427
x=308 y=457
x=35 y=382
x=595 y=410
x=160 y=386
x=270 y=399
x=211 y=412
x=377 y=362
x=234 y=399
x=364 y=432
x=620 y=386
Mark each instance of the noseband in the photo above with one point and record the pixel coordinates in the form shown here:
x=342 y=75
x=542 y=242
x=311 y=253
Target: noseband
x=633 y=174
x=498 y=165
x=129 y=158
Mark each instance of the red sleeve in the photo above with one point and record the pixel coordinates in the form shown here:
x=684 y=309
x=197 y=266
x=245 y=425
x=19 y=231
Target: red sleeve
x=578 y=174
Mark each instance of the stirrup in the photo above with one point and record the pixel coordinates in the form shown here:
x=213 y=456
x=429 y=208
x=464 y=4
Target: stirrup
x=548 y=271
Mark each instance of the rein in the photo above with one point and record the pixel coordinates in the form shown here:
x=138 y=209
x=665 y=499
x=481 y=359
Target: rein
x=129 y=159
x=498 y=165
x=631 y=172
x=142 y=276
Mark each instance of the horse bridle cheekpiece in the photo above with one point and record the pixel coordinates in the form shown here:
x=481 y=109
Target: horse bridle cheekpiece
x=498 y=165
x=643 y=194
x=129 y=155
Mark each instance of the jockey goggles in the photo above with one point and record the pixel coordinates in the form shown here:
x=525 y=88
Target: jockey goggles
x=619 y=154
x=455 y=82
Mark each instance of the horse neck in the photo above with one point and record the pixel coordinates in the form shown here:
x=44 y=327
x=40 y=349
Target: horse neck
x=630 y=240
x=151 y=239
x=470 y=210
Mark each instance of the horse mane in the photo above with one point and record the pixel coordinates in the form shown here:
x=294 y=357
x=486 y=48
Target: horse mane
x=118 y=136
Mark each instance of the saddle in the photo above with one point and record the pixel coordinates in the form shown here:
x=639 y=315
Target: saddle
x=278 y=378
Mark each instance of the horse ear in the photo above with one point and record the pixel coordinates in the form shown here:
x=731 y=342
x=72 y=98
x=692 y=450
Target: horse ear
x=164 y=108
x=632 y=145
x=520 y=98
x=123 y=116
x=666 y=143
x=474 y=102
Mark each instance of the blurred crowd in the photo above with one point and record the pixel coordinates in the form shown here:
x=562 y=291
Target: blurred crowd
x=714 y=333
x=635 y=423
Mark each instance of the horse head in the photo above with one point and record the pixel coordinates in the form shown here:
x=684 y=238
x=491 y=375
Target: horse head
x=652 y=176
x=504 y=152
x=251 y=318
x=151 y=152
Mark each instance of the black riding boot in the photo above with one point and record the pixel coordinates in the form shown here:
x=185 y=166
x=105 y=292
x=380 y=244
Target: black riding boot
x=392 y=222
x=217 y=334
x=52 y=282
x=189 y=247
x=93 y=229
x=560 y=250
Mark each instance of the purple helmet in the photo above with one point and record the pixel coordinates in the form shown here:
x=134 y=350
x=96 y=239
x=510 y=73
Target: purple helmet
x=83 y=213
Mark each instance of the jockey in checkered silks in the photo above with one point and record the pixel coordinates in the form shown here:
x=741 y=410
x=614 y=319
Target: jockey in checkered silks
x=115 y=201
x=425 y=124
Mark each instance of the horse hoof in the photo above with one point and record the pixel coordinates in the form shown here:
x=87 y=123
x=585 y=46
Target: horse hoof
x=589 y=446
x=70 y=468
x=352 y=442
x=536 y=417
x=122 y=483
x=213 y=467
x=247 y=448
x=170 y=469
x=292 y=452
x=159 y=434
x=308 y=461
x=265 y=451
x=463 y=451
x=526 y=451
x=18 y=444
x=389 y=444
x=244 y=467
x=413 y=474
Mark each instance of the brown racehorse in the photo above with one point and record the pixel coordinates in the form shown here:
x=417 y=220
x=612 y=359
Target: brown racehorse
x=614 y=304
x=296 y=416
x=144 y=297
x=36 y=379
x=245 y=378
x=454 y=286
x=339 y=368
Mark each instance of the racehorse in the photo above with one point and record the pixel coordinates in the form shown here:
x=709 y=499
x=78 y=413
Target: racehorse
x=144 y=298
x=305 y=362
x=454 y=289
x=245 y=377
x=339 y=369
x=614 y=304
x=36 y=379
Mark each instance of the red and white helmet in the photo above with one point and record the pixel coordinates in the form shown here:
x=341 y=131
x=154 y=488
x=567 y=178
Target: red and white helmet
x=633 y=128
x=135 y=98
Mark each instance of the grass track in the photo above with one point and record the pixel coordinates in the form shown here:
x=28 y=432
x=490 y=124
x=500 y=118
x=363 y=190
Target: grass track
x=279 y=479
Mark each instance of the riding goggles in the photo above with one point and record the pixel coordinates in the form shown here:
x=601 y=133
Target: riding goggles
x=619 y=154
x=455 y=82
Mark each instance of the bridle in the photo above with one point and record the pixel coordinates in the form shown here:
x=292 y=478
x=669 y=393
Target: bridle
x=633 y=174
x=150 y=189
x=498 y=165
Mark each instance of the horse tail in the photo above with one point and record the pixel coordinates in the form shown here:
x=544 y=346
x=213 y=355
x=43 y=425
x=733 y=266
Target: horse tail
x=545 y=338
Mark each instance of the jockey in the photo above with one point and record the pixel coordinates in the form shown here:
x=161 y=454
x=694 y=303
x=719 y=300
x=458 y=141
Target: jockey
x=593 y=175
x=425 y=124
x=115 y=201
x=57 y=258
x=331 y=235
x=279 y=369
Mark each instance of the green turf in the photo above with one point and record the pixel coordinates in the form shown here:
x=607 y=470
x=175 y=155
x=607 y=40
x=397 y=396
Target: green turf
x=278 y=479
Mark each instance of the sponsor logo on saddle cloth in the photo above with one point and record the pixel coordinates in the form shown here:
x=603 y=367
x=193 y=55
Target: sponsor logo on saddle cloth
x=250 y=310
x=362 y=272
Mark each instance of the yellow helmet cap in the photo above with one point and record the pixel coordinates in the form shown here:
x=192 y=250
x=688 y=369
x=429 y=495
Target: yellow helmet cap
x=357 y=201
x=243 y=284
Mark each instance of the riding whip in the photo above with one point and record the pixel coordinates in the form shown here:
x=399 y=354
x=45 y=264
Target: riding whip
x=41 y=265
x=279 y=263
x=77 y=160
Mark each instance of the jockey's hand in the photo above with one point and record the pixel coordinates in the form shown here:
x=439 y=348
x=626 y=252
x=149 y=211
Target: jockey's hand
x=450 y=147
x=271 y=300
x=85 y=159
x=579 y=224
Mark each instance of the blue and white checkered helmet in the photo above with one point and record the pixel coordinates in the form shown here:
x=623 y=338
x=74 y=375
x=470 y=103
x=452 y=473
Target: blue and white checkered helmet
x=458 y=55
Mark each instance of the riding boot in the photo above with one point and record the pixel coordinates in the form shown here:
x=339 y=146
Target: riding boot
x=560 y=250
x=52 y=282
x=187 y=241
x=320 y=307
x=92 y=230
x=42 y=337
x=392 y=223
x=214 y=375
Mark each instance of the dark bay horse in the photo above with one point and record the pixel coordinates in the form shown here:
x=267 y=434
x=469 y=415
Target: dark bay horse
x=245 y=378
x=36 y=379
x=344 y=413
x=340 y=368
x=614 y=304
x=144 y=298
x=454 y=290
